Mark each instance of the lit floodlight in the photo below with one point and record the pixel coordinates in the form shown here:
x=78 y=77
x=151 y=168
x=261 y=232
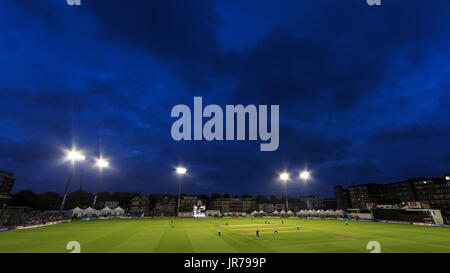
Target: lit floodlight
x=447 y=178
x=74 y=156
x=304 y=175
x=181 y=170
x=101 y=163
x=284 y=176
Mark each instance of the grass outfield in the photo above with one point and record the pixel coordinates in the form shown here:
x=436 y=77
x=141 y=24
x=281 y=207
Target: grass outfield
x=200 y=235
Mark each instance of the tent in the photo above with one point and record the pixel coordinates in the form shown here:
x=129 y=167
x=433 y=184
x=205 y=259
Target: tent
x=261 y=212
x=89 y=211
x=289 y=212
x=254 y=213
x=118 y=211
x=106 y=211
x=282 y=212
x=77 y=211
x=275 y=212
x=336 y=213
x=320 y=213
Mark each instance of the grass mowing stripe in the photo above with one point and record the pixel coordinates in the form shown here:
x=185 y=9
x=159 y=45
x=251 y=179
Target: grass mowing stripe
x=174 y=240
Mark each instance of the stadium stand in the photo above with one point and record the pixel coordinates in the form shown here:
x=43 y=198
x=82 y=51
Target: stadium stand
x=11 y=216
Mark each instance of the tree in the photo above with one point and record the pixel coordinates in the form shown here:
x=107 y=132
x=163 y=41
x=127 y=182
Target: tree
x=103 y=197
x=273 y=199
x=44 y=201
x=47 y=201
x=24 y=198
x=80 y=199
x=261 y=199
x=204 y=198
x=153 y=198
x=215 y=196
x=124 y=198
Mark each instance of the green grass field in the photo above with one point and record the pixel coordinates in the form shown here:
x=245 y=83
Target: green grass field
x=200 y=235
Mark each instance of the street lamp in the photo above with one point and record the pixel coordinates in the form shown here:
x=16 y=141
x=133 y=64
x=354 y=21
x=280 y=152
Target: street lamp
x=72 y=156
x=180 y=171
x=285 y=177
x=101 y=163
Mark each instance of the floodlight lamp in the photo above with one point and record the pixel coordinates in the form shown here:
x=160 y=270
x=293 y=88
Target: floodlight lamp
x=73 y=156
x=102 y=163
x=284 y=176
x=304 y=175
x=181 y=170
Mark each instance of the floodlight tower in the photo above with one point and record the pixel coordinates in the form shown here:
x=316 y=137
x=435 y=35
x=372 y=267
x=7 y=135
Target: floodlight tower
x=180 y=171
x=305 y=176
x=285 y=177
x=101 y=163
x=72 y=156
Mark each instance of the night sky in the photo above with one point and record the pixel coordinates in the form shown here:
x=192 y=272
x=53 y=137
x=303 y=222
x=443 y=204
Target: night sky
x=364 y=92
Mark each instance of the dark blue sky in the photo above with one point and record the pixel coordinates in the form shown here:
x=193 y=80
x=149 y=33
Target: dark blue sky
x=364 y=91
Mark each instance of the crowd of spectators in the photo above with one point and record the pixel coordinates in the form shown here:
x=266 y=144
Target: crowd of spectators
x=38 y=217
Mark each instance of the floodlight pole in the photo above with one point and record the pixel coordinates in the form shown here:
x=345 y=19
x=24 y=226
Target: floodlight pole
x=306 y=195
x=179 y=195
x=98 y=187
x=285 y=189
x=67 y=187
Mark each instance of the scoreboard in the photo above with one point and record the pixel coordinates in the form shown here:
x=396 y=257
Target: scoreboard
x=199 y=211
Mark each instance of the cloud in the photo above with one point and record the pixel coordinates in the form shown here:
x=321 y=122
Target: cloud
x=361 y=90
x=28 y=151
x=407 y=134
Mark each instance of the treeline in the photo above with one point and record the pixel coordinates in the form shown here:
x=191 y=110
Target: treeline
x=80 y=198
x=259 y=198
